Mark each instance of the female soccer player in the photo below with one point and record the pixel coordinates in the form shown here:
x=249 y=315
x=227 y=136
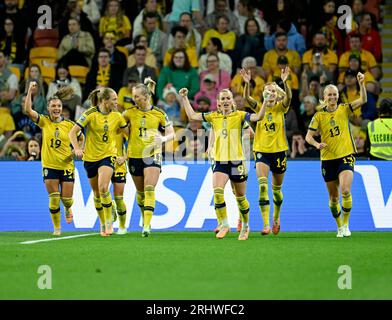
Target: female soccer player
x=146 y=122
x=270 y=145
x=102 y=124
x=229 y=162
x=56 y=154
x=337 y=149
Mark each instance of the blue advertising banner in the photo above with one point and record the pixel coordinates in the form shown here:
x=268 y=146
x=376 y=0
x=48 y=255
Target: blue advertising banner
x=184 y=197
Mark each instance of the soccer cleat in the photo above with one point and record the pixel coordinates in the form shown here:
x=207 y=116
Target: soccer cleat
x=103 y=232
x=114 y=211
x=266 y=231
x=340 y=232
x=244 y=234
x=223 y=232
x=146 y=232
x=57 y=232
x=121 y=231
x=276 y=227
x=68 y=215
x=239 y=225
x=217 y=229
x=346 y=231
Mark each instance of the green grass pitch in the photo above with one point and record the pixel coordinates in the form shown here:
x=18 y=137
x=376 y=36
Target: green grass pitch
x=195 y=265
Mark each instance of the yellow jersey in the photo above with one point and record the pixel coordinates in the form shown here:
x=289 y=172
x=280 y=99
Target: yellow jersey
x=100 y=130
x=237 y=85
x=328 y=58
x=125 y=98
x=145 y=125
x=228 y=134
x=120 y=140
x=367 y=60
x=228 y=39
x=56 y=152
x=270 y=136
x=335 y=131
x=292 y=79
x=191 y=52
x=270 y=60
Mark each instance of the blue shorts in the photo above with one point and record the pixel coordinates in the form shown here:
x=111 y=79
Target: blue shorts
x=92 y=167
x=236 y=170
x=62 y=175
x=137 y=165
x=331 y=169
x=277 y=161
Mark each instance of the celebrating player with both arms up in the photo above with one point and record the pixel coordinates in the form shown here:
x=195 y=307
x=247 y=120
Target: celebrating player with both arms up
x=137 y=135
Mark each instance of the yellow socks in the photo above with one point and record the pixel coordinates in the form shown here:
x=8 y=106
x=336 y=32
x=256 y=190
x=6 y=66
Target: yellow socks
x=243 y=206
x=121 y=211
x=140 y=202
x=220 y=206
x=98 y=207
x=106 y=200
x=54 y=208
x=67 y=203
x=335 y=209
x=149 y=205
x=264 y=200
x=347 y=204
x=278 y=199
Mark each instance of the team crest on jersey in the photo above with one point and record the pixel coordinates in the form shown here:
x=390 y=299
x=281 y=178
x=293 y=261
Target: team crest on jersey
x=57 y=133
x=106 y=127
x=332 y=122
x=269 y=117
x=143 y=122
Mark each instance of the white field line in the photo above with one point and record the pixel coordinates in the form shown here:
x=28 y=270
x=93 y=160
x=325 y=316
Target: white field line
x=56 y=239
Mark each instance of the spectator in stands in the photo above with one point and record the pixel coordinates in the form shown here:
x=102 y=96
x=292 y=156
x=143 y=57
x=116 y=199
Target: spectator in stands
x=209 y=89
x=275 y=11
x=214 y=46
x=7 y=124
x=11 y=10
x=34 y=75
x=33 y=150
x=222 y=9
x=310 y=87
x=171 y=106
x=350 y=93
x=292 y=79
x=91 y=8
x=250 y=44
x=291 y=124
x=116 y=56
x=372 y=85
x=63 y=78
x=202 y=104
x=332 y=34
x=271 y=56
x=256 y=82
x=141 y=40
x=157 y=40
x=318 y=69
x=140 y=70
x=103 y=74
x=180 y=6
x=149 y=6
x=368 y=62
x=66 y=113
x=8 y=82
x=179 y=35
x=221 y=31
x=295 y=40
x=77 y=47
x=358 y=9
x=125 y=93
x=15 y=147
x=246 y=11
x=309 y=109
x=301 y=149
x=222 y=78
x=114 y=20
x=193 y=37
x=320 y=54
x=179 y=74
x=370 y=38
x=74 y=10
x=13 y=47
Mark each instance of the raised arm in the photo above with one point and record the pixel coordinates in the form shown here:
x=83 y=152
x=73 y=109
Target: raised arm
x=27 y=108
x=362 y=93
x=73 y=137
x=192 y=115
x=259 y=115
x=246 y=77
x=284 y=76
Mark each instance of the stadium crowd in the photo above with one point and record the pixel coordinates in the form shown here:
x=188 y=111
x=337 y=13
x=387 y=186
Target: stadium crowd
x=197 y=44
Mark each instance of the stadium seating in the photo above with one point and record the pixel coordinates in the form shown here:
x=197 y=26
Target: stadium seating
x=46 y=38
x=79 y=73
x=15 y=71
x=39 y=54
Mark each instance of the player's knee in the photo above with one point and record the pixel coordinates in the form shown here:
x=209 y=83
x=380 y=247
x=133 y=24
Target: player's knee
x=277 y=194
x=263 y=185
x=346 y=192
x=121 y=207
x=219 y=197
x=54 y=202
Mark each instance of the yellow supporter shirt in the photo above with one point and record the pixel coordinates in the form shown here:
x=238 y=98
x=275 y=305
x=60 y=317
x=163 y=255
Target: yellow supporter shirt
x=125 y=98
x=270 y=61
x=335 y=131
x=368 y=77
x=237 y=85
x=6 y=121
x=120 y=140
x=109 y=24
x=292 y=79
x=190 y=52
x=100 y=130
x=56 y=152
x=329 y=58
x=270 y=136
x=228 y=134
x=144 y=125
x=367 y=60
x=228 y=39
